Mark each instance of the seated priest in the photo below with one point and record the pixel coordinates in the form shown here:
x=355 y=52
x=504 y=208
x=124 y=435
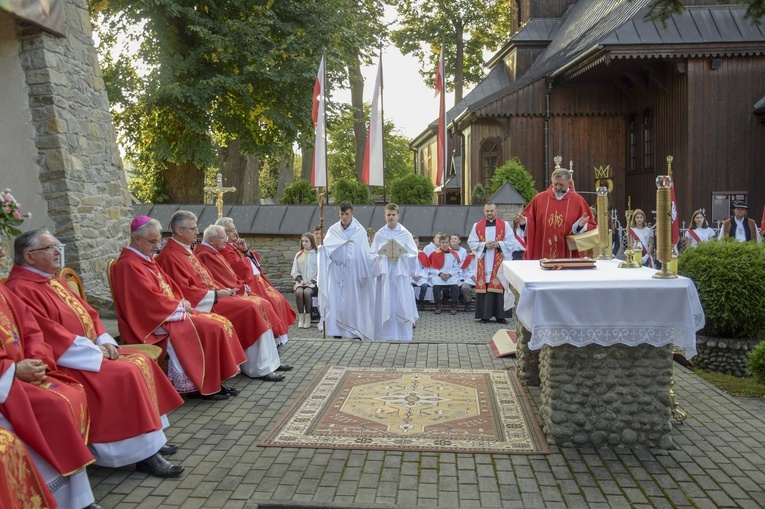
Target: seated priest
x=209 y=253
x=21 y=484
x=246 y=264
x=45 y=408
x=250 y=320
x=128 y=394
x=202 y=348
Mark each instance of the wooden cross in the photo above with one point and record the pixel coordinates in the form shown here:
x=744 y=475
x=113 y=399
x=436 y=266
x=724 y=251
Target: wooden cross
x=219 y=191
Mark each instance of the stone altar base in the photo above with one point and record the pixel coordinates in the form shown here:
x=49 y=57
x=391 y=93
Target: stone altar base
x=606 y=396
x=527 y=360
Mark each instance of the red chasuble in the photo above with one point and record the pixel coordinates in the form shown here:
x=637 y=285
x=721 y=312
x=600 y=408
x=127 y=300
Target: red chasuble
x=225 y=277
x=259 y=285
x=549 y=221
x=494 y=285
x=145 y=297
x=250 y=320
x=21 y=484
x=52 y=418
x=133 y=383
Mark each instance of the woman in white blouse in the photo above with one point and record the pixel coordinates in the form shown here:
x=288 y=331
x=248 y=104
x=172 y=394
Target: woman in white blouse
x=304 y=270
x=699 y=230
x=642 y=237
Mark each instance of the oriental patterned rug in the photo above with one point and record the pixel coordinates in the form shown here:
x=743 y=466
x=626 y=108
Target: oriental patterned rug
x=411 y=409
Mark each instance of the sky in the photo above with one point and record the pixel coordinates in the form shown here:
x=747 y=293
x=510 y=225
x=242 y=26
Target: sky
x=407 y=101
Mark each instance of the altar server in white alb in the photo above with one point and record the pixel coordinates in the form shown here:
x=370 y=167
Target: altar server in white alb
x=395 y=310
x=346 y=279
x=492 y=240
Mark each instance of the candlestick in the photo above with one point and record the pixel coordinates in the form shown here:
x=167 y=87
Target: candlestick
x=664 y=226
x=603 y=237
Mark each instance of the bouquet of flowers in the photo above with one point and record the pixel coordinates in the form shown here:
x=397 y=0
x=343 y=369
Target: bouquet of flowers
x=10 y=215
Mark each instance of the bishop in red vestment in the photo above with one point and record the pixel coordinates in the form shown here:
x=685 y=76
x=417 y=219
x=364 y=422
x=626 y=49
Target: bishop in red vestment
x=246 y=264
x=44 y=407
x=21 y=484
x=151 y=310
x=249 y=319
x=209 y=253
x=128 y=394
x=551 y=216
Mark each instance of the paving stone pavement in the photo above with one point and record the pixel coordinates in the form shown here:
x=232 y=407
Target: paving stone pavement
x=718 y=458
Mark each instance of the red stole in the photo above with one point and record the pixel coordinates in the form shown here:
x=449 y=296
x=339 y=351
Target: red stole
x=468 y=261
x=437 y=258
x=494 y=284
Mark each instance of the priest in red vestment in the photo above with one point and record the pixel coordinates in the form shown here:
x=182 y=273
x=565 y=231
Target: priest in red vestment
x=250 y=320
x=246 y=264
x=492 y=241
x=128 y=394
x=21 y=484
x=551 y=216
x=209 y=253
x=45 y=408
x=202 y=348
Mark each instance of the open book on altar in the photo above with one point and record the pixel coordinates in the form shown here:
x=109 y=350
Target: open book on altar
x=392 y=250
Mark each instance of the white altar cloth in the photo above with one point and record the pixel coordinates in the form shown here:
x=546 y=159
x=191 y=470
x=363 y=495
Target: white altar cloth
x=604 y=306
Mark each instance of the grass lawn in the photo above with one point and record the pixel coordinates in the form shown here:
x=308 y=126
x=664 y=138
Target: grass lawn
x=735 y=386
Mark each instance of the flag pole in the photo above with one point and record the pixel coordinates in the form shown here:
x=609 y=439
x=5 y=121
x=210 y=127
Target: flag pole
x=382 y=123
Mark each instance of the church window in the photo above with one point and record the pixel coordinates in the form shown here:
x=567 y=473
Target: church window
x=647 y=140
x=632 y=146
x=490 y=153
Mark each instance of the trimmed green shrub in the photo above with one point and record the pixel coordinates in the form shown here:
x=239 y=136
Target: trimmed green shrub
x=515 y=173
x=478 y=197
x=412 y=189
x=299 y=192
x=349 y=190
x=756 y=363
x=730 y=279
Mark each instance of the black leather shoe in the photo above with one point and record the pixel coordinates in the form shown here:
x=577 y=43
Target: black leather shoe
x=94 y=506
x=271 y=377
x=218 y=396
x=284 y=367
x=168 y=449
x=158 y=467
x=231 y=391
x=502 y=321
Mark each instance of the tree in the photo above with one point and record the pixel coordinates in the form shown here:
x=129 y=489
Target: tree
x=664 y=9
x=465 y=27
x=515 y=173
x=412 y=189
x=214 y=73
x=341 y=149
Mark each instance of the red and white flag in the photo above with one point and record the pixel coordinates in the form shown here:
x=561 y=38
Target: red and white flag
x=441 y=137
x=372 y=173
x=319 y=113
x=675 y=219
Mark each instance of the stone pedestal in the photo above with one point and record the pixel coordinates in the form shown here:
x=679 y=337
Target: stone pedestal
x=527 y=360
x=606 y=396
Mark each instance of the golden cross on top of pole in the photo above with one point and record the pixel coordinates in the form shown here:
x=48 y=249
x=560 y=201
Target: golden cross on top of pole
x=218 y=191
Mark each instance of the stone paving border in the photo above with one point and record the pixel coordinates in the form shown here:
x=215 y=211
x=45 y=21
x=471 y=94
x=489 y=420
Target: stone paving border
x=718 y=459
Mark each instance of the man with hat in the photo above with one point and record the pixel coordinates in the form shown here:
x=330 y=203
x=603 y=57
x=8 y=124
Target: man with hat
x=739 y=226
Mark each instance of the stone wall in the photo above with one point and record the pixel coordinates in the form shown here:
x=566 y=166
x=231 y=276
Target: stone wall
x=606 y=396
x=77 y=156
x=276 y=255
x=724 y=355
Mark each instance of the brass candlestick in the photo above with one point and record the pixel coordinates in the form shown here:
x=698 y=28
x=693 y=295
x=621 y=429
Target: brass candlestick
x=629 y=255
x=664 y=226
x=606 y=251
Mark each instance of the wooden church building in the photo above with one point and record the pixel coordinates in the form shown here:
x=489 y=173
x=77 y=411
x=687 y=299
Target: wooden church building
x=601 y=84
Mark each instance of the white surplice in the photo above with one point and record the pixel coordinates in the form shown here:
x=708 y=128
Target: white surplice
x=395 y=309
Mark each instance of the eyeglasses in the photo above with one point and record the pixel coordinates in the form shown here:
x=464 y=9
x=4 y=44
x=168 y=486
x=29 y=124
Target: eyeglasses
x=155 y=242
x=229 y=230
x=192 y=228
x=56 y=247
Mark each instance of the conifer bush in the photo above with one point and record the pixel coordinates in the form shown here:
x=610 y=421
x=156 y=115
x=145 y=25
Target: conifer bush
x=730 y=279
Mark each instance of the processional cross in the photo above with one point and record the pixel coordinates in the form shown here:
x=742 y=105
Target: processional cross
x=219 y=191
